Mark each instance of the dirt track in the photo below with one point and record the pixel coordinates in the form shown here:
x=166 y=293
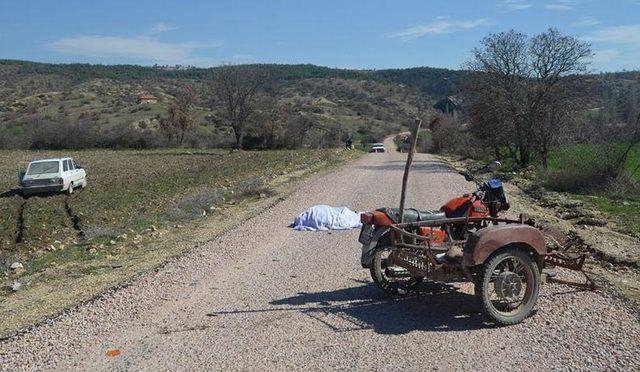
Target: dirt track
x=264 y=296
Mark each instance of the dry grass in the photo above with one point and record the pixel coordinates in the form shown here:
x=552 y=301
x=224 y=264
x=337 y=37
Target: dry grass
x=131 y=194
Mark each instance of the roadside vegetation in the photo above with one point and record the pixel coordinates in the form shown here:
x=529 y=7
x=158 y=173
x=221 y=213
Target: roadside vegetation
x=528 y=104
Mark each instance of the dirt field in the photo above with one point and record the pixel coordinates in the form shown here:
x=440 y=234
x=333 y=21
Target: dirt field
x=72 y=247
x=263 y=296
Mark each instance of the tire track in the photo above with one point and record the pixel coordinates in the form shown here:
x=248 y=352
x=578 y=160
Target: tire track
x=75 y=219
x=20 y=224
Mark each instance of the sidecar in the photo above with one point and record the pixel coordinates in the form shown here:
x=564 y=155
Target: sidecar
x=504 y=258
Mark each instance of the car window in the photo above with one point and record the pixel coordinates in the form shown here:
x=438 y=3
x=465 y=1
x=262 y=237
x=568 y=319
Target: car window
x=65 y=166
x=71 y=165
x=44 y=167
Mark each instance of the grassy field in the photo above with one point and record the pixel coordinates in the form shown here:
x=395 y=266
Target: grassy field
x=130 y=192
x=590 y=154
x=140 y=209
x=620 y=201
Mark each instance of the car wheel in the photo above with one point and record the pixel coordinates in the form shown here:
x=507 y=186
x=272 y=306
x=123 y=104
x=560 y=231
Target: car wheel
x=70 y=189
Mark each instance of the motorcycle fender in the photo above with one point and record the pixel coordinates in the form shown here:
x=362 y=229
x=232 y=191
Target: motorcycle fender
x=366 y=259
x=482 y=243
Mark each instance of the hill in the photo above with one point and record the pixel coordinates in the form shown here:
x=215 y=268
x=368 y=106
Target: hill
x=81 y=105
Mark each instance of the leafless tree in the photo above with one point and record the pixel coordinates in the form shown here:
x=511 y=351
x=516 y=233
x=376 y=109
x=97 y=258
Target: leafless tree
x=518 y=94
x=235 y=87
x=180 y=116
x=550 y=103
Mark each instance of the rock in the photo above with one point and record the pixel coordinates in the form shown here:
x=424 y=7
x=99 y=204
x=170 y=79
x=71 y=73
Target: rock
x=153 y=228
x=122 y=237
x=112 y=242
x=93 y=251
x=16 y=286
x=263 y=195
x=592 y=221
x=17 y=268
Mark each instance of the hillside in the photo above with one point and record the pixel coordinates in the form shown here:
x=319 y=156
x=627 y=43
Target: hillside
x=80 y=105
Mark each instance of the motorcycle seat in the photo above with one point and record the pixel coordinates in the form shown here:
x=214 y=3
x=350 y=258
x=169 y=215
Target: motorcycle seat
x=413 y=215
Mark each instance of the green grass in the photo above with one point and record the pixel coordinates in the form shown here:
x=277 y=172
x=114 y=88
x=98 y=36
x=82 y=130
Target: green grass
x=589 y=153
x=578 y=161
x=623 y=210
x=128 y=191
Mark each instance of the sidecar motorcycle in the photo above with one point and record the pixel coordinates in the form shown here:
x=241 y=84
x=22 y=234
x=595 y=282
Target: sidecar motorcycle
x=465 y=240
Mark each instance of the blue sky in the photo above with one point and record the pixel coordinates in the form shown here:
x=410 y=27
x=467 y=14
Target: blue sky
x=346 y=34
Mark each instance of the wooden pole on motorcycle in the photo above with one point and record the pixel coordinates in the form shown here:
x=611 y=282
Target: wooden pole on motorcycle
x=407 y=167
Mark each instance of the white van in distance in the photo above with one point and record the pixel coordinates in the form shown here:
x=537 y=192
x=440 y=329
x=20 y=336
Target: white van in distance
x=52 y=175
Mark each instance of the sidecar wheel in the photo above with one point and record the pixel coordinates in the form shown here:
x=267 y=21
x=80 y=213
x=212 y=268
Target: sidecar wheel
x=509 y=286
x=392 y=286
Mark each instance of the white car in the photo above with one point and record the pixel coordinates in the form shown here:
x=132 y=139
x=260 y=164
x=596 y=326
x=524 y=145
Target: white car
x=52 y=175
x=378 y=147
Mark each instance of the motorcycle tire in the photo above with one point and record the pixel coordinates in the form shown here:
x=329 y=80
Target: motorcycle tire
x=392 y=286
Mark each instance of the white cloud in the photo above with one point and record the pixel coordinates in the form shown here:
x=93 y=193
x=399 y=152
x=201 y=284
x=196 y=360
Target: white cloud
x=512 y=5
x=146 y=48
x=612 y=57
x=605 y=55
x=586 y=22
x=441 y=26
x=626 y=34
x=562 y=5
x=160 y=28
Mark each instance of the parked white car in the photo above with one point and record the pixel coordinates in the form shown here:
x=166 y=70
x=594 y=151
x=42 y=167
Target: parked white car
x=52 y=175
x=378 y=147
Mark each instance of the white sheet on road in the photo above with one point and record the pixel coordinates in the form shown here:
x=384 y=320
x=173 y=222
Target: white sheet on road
x=324 y=217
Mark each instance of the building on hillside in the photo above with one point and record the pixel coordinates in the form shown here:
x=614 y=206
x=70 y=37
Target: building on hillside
x=147 y=98
x=448 y=106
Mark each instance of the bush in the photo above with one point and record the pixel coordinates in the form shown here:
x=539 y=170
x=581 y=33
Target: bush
x=195 y=205
x=579 y=168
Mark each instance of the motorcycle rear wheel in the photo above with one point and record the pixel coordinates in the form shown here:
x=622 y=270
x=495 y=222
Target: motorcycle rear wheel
x=392 y=286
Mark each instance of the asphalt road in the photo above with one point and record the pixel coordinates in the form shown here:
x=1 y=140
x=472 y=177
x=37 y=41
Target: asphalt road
x=265 y=297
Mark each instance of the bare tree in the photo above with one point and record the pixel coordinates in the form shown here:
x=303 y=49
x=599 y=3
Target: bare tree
x=518 y=91
x=549 y=103
x=236 y=87
x=180 y=116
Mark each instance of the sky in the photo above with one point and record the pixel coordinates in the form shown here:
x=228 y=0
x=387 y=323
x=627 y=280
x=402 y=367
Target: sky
x=358 y=34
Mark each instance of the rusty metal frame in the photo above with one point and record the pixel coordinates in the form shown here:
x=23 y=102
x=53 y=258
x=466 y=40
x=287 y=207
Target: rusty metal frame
x=406 y=241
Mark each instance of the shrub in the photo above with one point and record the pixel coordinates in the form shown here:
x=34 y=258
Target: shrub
x=195 y=204
x=582 y=167
x=252 y=187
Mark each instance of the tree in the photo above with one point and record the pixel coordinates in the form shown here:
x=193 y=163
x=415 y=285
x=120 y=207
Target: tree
x=180 y=115
x=235 y=87
x=518 y=90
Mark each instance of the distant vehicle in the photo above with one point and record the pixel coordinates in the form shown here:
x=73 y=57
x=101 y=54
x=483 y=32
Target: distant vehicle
x=52 y=175
x=378 y=147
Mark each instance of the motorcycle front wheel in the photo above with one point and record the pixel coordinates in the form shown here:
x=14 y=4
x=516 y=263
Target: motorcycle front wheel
x=393 y=285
